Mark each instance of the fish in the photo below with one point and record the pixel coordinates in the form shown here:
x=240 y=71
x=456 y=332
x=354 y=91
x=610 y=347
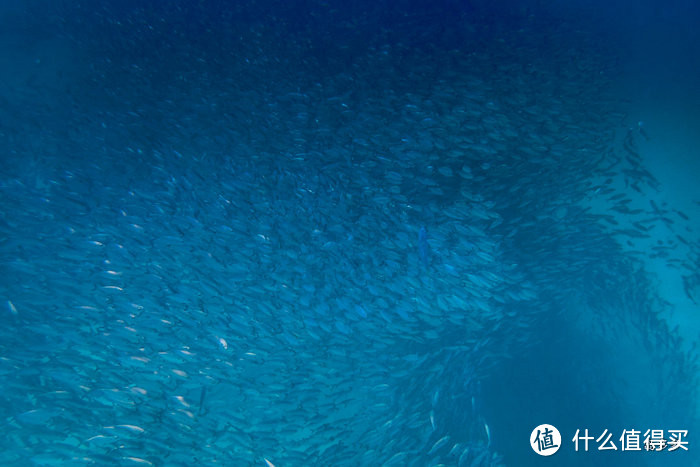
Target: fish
x=424 y=251
x=203 y=267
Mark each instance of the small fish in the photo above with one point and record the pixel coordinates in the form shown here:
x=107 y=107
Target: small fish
x=138 y=460
x=424 y=247
x=202 y=396
x=438 y=444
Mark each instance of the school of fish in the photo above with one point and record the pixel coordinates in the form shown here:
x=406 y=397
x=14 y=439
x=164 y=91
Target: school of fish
x=272 y=256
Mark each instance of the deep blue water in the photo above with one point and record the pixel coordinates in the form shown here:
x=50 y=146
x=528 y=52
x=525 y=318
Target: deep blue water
x=347 y=233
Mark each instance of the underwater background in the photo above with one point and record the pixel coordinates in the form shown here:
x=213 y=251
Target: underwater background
x=348 y=233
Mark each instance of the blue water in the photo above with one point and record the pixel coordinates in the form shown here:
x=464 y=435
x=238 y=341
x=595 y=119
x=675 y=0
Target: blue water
x=349 y=234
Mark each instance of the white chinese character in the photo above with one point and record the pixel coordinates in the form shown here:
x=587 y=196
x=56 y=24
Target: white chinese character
x=585 y=438
x=630 y=440
x=656 y=441
x=675 y=439
x=605 y=446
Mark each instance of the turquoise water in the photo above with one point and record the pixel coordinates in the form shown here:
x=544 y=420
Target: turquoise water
x=362 y=234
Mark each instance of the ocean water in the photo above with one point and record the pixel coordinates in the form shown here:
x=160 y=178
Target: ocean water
x=323 y=233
